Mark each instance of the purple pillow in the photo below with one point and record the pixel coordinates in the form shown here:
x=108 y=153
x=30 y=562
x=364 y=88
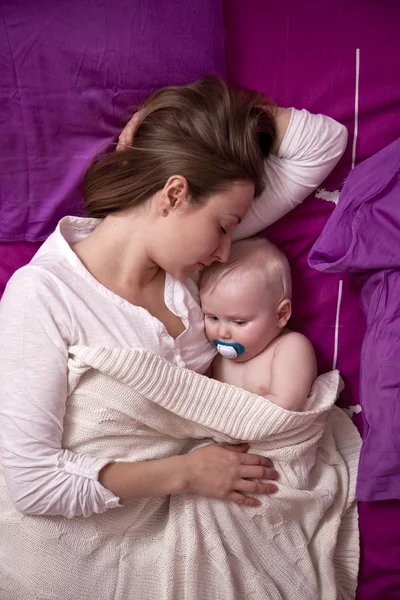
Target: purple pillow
x=363 y=236
x=69 y=71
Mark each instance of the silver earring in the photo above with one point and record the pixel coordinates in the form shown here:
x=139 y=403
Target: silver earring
x=165 y=212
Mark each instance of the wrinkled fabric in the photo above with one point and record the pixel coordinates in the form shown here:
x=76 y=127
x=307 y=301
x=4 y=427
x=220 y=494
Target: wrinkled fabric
x=69 y=72
x=363 y=236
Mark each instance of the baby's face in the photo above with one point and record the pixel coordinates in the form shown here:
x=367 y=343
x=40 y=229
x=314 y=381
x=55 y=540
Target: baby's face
x=240 y=312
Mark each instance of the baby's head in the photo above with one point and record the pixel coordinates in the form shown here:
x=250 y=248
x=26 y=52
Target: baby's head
x=247 y=300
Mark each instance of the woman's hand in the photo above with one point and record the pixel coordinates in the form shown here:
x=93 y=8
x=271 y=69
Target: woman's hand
x=216 y=471
x=128 y=133
x=224 y=472
x=282 y=118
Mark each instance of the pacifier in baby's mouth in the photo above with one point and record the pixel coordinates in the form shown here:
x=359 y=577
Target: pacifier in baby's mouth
x=229 y=350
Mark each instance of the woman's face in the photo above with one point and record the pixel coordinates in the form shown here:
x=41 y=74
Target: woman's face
x=194 y=236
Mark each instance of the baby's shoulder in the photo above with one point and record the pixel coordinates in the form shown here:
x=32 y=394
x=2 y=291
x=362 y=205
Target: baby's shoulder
x=293 y=341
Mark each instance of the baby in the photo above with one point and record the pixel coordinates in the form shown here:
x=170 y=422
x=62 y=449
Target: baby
x=246 y=304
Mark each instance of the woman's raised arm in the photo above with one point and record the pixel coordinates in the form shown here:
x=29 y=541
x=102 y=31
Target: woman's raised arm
x=306 y=149
x=309 y=148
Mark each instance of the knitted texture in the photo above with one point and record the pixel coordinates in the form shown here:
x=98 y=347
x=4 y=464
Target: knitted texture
x=301 y=543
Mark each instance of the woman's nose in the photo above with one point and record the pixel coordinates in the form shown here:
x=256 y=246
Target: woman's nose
x=224 y=249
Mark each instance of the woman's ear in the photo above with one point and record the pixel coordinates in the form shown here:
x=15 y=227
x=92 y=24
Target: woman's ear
x=284 y=312
x=173 y=195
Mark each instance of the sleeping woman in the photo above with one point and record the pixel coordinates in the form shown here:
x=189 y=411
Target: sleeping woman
x=206 y=165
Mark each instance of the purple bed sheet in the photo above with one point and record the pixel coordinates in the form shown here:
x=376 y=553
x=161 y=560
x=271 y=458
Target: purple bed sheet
x=13 y=256
x=339 y=58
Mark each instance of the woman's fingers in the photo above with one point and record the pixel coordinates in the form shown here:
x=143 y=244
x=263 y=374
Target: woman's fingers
x=128 y=133
x=255 y=487
x=257 y=472
x=254 y=466
x=256 y=459
x=243 y=500
x=248 y=459
x=251 y=487
x=228 y=473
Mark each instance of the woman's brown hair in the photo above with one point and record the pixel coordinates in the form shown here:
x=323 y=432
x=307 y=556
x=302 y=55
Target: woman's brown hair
x=206 y=131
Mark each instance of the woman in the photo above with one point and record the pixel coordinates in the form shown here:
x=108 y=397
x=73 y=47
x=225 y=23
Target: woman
x=169 y=206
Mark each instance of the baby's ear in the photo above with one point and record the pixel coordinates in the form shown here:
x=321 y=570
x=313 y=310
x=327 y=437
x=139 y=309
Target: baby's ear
x=284 y=312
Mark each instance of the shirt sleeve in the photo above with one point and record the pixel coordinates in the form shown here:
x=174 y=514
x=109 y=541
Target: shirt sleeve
x=312 y=146
x=42 y=477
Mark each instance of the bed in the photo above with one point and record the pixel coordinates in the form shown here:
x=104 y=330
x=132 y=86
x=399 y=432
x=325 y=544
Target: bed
x=70 y=75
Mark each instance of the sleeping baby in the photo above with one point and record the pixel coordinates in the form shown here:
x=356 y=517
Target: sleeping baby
x=246 y=304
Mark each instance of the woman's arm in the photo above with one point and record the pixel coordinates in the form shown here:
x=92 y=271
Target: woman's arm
x=43 y=478
x=306 y=149
x=309 y=148
x=216 y=471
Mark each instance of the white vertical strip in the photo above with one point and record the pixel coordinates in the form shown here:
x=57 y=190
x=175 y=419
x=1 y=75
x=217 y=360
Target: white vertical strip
x=353 y=158
x=339 y=301
x=353 y=162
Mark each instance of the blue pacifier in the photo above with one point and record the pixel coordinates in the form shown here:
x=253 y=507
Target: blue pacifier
x=228 y=350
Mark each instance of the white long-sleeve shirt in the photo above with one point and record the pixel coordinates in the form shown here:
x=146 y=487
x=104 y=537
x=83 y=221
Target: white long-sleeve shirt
x=54 y=302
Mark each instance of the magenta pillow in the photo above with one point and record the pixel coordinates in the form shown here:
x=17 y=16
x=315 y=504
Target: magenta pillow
x=69 y=71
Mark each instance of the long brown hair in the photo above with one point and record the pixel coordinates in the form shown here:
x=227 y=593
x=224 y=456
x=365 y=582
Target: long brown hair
x=206 y=131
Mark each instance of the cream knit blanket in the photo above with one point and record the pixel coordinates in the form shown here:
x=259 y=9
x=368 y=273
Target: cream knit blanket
x=301 y=543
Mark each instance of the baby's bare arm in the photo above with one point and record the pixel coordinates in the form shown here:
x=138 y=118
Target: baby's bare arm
x=293 y=371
